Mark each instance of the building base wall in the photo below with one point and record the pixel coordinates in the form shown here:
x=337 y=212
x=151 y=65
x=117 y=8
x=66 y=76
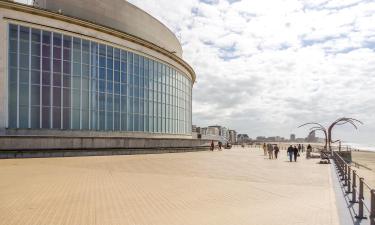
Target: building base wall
x=6 y=154
x=62 y=146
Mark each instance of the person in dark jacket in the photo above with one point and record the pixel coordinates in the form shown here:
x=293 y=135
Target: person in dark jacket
x=295 y=152
x=212 y=145
x=290 y=153
x=276 y=150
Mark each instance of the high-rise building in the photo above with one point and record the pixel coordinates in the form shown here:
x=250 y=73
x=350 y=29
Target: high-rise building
x=292 y=137
x=232 y=136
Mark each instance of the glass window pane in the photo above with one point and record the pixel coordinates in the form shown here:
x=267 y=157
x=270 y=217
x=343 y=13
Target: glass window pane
x=46 y=117
x=35 y=117
x=35 y=95
x=56 y=115
x=13 y=31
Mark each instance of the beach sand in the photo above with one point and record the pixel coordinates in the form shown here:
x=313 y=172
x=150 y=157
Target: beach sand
x=366 y=159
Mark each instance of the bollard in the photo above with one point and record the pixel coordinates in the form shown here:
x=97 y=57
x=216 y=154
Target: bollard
x=354 y=188
x=360 y=200
x=349 y=180
x=372 y=213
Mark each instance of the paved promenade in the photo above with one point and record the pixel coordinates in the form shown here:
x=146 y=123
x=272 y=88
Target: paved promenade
x=231 y=187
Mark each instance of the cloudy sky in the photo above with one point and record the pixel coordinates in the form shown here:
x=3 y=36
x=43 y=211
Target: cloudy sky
x=266 y=66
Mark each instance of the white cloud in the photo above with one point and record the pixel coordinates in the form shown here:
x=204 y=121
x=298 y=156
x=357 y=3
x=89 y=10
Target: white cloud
x=264 y=67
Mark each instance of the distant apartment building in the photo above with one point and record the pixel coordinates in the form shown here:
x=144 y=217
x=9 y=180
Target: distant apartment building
x=194 y=128
x=213 y=131
x=242 y=138
x=292 y=137
x=223 y=131
x=203 y=130
x=261 y=138
x=232 y=136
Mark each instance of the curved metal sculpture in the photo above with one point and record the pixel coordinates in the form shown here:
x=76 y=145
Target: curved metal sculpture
x=319 y=127
x=339 y=122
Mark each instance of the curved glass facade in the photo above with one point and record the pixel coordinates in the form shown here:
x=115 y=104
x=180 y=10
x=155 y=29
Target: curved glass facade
x=59 y=81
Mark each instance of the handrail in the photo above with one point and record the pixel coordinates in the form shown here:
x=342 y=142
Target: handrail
x=349 y=178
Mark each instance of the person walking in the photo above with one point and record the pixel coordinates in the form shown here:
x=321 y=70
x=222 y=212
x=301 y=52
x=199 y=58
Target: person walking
x=295 y=153
x=299 y=148
x=220 y=144
x=276 y=151
x=212 y=146
x=290 y=153
x=308 y=151
x=303 y=148
x=270 y=151
x=264 y=149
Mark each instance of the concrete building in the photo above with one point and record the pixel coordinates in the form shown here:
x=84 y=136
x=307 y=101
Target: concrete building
x=292 y=137
x=90 y=69
x=213 y=131
x=232 y=136
x=261 y=138
x=243 y=138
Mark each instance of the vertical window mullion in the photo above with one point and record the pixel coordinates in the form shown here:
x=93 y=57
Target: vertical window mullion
x=105 y=90
x=113 y=90
x=40 y=80
x=133 y=97
x=18 y=76
x=97 y=87
x=71 y=82
x=62 y=83
x=120 y=71
x=80 y=95
x=51 y=84
x=90 y=85
x=29 y=108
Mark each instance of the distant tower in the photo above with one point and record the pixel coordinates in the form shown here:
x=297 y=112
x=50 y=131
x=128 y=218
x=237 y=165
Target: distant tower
x=292 y=137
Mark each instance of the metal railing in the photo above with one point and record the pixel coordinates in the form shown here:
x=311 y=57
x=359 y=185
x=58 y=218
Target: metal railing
x=361 y=193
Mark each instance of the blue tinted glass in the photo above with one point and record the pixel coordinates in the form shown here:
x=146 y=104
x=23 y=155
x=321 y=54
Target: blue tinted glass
x=13 y=31
x=123 y=78
x=102 y=74
x=24 y=33
x=109 y=74
x=117 y=88
x=109 y=63
x=35 y=35
x=109 y=87
x=116 y=75
x=57 y=39
x=46 y=37
x=102 y=86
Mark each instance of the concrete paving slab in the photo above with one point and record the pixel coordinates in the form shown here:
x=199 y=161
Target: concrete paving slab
x=237 y=186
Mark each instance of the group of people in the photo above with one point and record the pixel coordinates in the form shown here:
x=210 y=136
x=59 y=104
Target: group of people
x=271 y=150
x=293 y=151
x=219 y=145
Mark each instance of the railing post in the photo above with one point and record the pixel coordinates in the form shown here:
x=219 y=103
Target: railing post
x=360 y=200
x=342 y=173
x=345 y=174
x=349 y=180
x=354 y=188
x=372 y=213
